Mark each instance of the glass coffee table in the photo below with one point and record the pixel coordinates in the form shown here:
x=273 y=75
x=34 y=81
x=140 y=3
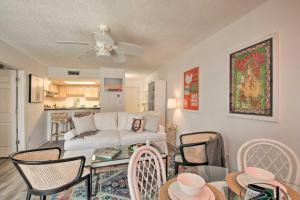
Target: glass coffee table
x=121 y=159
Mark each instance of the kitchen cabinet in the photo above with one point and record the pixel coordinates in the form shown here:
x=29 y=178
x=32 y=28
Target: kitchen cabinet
x=62 y=92
x=92 y=92
x=53 y=88
x=75 y=91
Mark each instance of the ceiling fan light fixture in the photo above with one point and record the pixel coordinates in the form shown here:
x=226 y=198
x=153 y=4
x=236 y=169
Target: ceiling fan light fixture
x=103 y=53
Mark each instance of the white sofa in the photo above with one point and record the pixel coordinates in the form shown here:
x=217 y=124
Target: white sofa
x=113 y=130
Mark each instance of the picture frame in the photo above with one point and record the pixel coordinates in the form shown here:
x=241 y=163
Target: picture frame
x=191 y=89
x=254 y=80
x=113 y=84
x=36 y=89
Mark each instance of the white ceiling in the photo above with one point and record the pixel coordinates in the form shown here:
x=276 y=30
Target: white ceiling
x=165 y=28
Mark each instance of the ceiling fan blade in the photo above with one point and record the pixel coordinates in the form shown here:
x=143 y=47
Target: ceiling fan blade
x=103 y=37
x=73 y=42
x=130 y=49
x=119 y=58
x=87 y=52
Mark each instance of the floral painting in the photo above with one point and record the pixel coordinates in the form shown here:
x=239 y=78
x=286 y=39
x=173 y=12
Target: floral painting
x=251 y=80
x=191 y=89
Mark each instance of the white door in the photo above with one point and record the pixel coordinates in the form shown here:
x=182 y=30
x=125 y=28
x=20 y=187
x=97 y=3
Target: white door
x=7 y=112
x=132 y=99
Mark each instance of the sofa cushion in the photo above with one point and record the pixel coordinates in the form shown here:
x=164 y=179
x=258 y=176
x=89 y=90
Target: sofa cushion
x=102 y=139
x=122 y=120
x=70 y=134
x=138 y=125
x=130 y=137
x=131 y=117
x=152 y=122
x=106 y=121
x=84 y=124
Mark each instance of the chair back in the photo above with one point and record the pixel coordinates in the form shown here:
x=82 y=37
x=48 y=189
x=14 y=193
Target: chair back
x=59 y=117
x=271 y=155
x=42 y=170
x=146 y=173
x=82 y=113
x=194 y=146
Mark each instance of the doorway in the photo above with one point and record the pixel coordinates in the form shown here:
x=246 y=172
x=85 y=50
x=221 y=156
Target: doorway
x=12 y=107
x=132 y=99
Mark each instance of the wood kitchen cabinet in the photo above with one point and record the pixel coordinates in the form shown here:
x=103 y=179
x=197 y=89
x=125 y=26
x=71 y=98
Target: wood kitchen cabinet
x=92 y=92
x=53 y=88
x=75 y=91
x=62 y=92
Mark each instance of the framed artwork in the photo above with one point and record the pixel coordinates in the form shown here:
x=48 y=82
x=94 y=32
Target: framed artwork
x=113 y=84
x=36 y=89
x=191 y=89
x=252 y=81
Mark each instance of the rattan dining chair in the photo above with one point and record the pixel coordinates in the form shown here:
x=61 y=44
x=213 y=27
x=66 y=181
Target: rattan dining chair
x=192 y=149
x=45 y=173
x=146 y=173
x=271 y=155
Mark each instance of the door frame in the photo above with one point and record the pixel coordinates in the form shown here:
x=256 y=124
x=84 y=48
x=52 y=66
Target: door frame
x=19 y=124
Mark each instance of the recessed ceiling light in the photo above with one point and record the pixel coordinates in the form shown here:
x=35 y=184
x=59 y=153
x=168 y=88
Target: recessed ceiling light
x=80 y=82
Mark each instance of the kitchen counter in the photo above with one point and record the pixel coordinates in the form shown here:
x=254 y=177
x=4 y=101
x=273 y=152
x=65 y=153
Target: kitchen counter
x=72 y=108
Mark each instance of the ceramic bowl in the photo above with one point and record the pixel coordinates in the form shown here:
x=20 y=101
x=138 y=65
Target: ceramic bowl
x=259 y=174
x=190 y=184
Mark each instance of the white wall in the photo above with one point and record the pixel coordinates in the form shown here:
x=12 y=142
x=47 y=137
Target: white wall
x=35 y=118
x=212 y=57
x=111 y=101
x=137 y=83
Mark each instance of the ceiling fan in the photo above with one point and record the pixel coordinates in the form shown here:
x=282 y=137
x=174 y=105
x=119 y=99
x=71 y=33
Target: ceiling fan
x=105 y=46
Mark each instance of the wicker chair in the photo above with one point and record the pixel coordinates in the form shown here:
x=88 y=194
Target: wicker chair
x=45 y=173
x=271 y=155
x=192 y=149
x=146 y=173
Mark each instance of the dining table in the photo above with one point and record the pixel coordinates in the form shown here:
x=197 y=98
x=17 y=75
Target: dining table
x=222 y=183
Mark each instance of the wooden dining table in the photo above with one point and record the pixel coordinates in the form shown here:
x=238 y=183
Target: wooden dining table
x=231 y=189
x=209 y=173
x=163 y=194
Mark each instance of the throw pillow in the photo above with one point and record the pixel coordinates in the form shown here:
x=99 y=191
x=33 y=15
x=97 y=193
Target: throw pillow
x=106 y=121
x=138 y=125
x=152 y=122
x=131 y=117
x=84 y=124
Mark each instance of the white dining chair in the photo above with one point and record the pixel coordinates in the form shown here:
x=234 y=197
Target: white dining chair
x=271 y=155
x=146 y=173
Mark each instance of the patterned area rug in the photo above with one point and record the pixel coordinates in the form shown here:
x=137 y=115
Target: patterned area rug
x=112 y=185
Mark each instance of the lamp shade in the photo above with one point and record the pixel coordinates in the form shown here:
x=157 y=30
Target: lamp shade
x=172 y=103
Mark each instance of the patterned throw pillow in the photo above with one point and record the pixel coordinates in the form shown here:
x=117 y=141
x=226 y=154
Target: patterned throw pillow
x=138 y=125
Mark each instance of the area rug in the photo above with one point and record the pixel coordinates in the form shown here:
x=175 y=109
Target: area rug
x=112 y=185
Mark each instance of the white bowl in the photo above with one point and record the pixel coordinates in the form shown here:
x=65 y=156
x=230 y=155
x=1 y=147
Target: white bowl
x=190 y=184
x=260 y=174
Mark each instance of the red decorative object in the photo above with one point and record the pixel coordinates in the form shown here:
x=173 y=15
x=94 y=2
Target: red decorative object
x=191 y=89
